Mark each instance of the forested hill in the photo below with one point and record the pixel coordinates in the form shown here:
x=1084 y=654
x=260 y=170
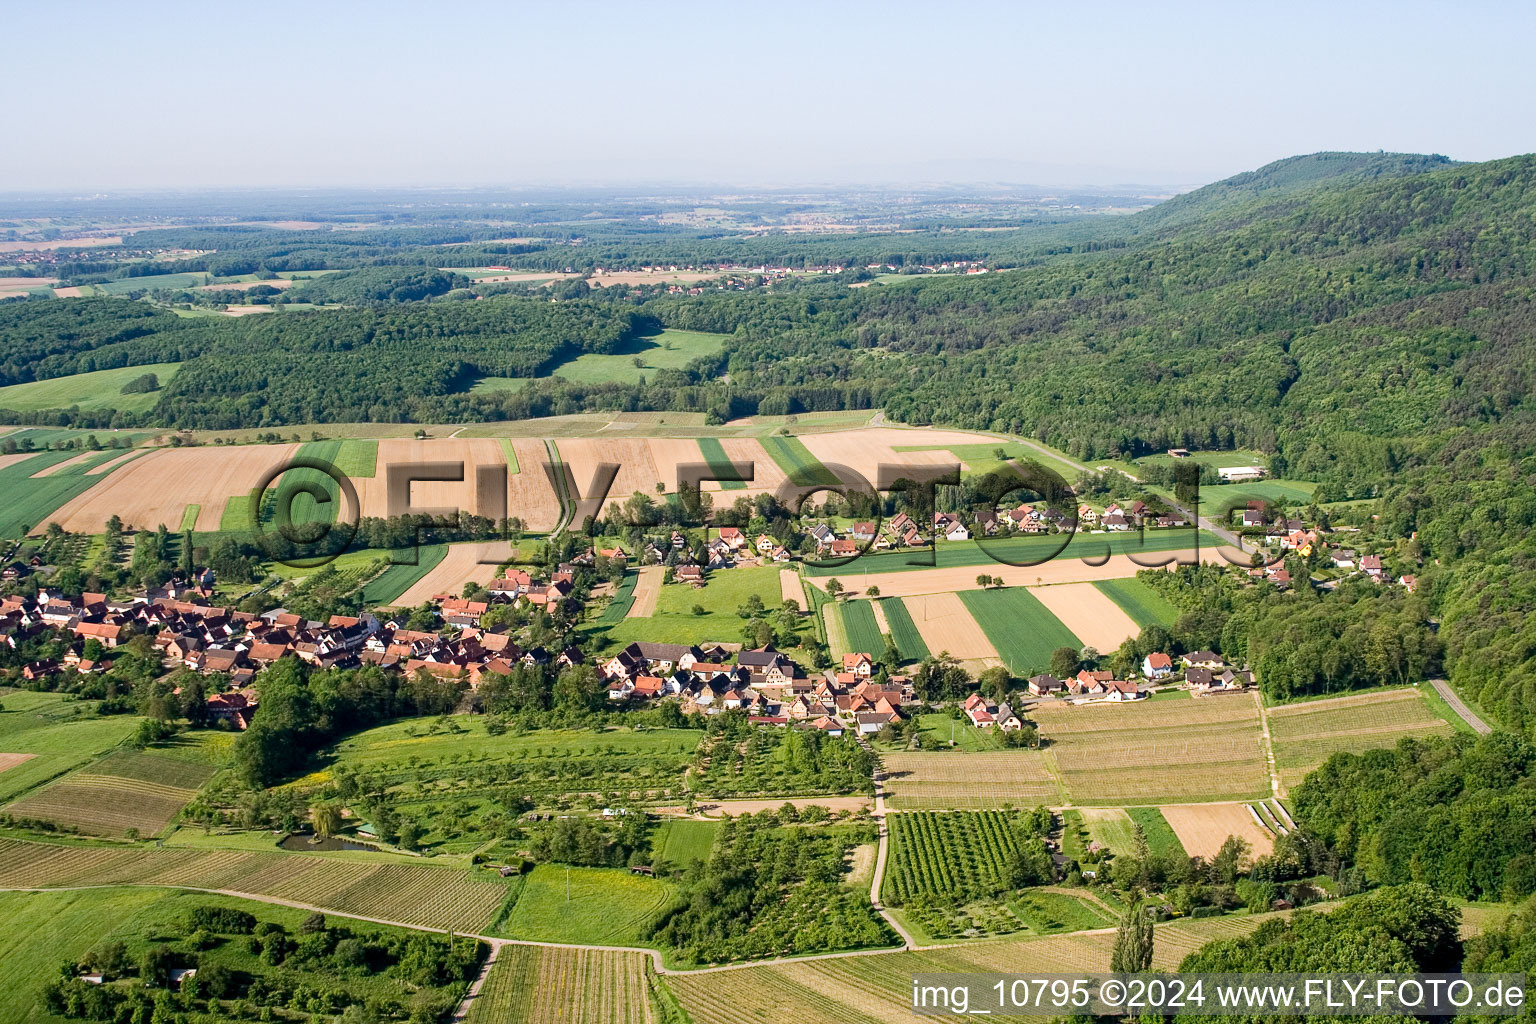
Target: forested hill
x=1292 y=178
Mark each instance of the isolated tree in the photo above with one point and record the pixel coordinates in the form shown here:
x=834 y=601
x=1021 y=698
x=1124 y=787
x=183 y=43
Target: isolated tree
x=326 y=819
x=1133 y=941
x=834 y=586
x=873 y=591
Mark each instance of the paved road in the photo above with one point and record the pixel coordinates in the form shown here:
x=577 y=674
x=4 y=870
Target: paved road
x=1443 y=688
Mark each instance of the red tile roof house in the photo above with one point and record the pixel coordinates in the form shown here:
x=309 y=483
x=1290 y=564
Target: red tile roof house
x=1157 y=665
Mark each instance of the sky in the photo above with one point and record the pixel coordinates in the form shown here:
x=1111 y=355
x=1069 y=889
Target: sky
x=167 y=95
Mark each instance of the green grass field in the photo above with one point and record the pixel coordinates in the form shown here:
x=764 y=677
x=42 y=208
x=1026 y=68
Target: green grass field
x=1220 y=460
x=795 y=459
x=1111 y=827
x=59 y=731
x=1016 y=550
x=591 y=906
x=724 y=592
x=388 y=585
x=1143 y=604
x=1161 y=838
x=31 y=501
x=623 y=599
x=152 y=282
x=353 y=456
x=1021 y=628
x=903 y=630
x=511 y=456
x=1217 y=501
x=680 y=841
x=189 y=517
x=669 y=350
x=860 y=628
x=100 y=389
x=720 y=462
x=937 y=730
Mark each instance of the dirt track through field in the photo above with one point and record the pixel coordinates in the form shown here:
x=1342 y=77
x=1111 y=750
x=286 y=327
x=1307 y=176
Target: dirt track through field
x=1086 y=611
x=462 y=564
x=790 y=588
x=1202 y=828
x=957 y=578
x=647 y=590
x=158 y=487
x=946 y=625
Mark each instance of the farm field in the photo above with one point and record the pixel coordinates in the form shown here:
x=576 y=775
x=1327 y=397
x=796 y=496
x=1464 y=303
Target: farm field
x=1088 y=614
x=417 y=894
x=646 y=590
x=724 y=591
x=909 y=639
x=682 y=840
x=387 y=586
x=50 y=735
x=474 y=561
x=1203 y=828
x=1161 y=838
x=860 y=628
x=1306 y=734
x=878 y=988
x=796 y=462
x=669 y=350
x=914 y=581
x=33 y=500
x=1157 y=752
x=601 y=906
x=540 y=984
x=1021 y=628
x=1022 y=555
x=944 y=780
x=1145 y=606
x=124 y=790
x=720 y=462
x=952 y=856
x=1219 y=499
x=158 y=487
x=944 y=623
x=623 y=599
x=922 y=451
x=1111 y=827
x=790 y=587
x=99 y=389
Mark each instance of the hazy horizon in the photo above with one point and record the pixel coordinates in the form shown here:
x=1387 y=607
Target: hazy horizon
x=180 y=97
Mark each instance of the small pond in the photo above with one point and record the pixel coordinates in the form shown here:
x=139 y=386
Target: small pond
x=307 y=843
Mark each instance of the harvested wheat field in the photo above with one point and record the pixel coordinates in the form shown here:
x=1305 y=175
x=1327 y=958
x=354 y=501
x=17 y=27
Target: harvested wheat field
x=637 y=469
x=59 y=467
x=959 y=780
x=111 y=464
x=866 y=449
x=946 y=625
x=647 y=590
x=1089 y=613
x=1202 y=828
x=1067 y=569
x=790 y=588
x=72 y=292
x=531 y=498
x=767 y=476
x=157 y=488
x=245 y=310
x=464 y=563
x=9 y=761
